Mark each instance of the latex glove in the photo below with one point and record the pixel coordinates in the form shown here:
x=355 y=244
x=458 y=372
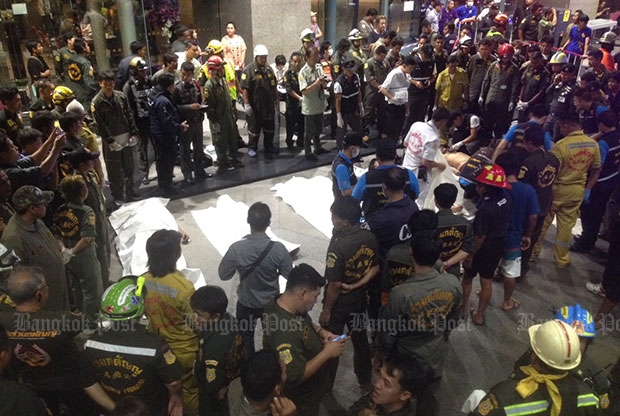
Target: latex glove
x=248 y=110
x=216 y=127
x=115 y=147
x=67 y=254
x=340 y=121
x=586 y=195
x=524 y=105
x=511 y=107
x=133 y=140
x=361 y=109
x=480 y=102
x=455 y=147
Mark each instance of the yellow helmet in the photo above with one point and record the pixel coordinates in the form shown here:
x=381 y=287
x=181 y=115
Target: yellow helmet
x=62 y=94
x=215 y=46
x=559 y=58
x=137 y=63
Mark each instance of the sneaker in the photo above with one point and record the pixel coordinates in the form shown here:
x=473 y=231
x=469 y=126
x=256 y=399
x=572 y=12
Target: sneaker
x=252 y=153
x=320 y=151
x=596 y=288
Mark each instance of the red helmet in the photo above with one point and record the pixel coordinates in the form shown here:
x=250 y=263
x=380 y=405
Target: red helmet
x=501 y=19
x=214 y=62
x=493 y=175
x=505 y=49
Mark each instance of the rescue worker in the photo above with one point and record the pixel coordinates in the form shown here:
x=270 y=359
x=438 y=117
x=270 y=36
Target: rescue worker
x=11 y=122
x=476 y=71
x=258 y=84
x=592 y=211
x=45 y=89
x=137 y=89
x=187 y=97
x=312 y=84
x=344 y=45
x=544 y=385
x=352 y=262
x=580 y=167
x=61 y=97
x=500 y=90
x=422 y=77
x=376 y=70
x=343 y=175
x=294 y=99
x=81 y=75
x=560 y=95
x=595 y=62
x=452 y=87
x=147 y=367
x=307 y=41
x=62 y=56
x=221 y=116
x=534 y=81
x=166 y=126
x=304 y=349
x=358 y=56
x=119 y=133
x=608 y=42
x=587 y=109
x=349 y=107
x=468 y=133
x=528 y=27
x=463 y=52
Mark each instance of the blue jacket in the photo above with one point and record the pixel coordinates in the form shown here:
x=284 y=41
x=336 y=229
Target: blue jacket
x=164 y=115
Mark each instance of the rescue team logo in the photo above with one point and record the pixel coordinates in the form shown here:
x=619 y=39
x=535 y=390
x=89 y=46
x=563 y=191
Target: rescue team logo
x=74 y=72
x=33 y=355
x=285 y=353
x=547 y=176
x=581 y=161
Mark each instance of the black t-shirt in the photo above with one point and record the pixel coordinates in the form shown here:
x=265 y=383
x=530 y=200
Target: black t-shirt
x=540 y=170
x=493 y=215
x=19 y=400
x=36 y=66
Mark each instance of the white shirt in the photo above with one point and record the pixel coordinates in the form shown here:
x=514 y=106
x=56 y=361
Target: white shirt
x=422 y=142
x=397 y=82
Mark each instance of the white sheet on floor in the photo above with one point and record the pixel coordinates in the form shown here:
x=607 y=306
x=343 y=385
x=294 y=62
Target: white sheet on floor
x=134 y=223
x=310 y=198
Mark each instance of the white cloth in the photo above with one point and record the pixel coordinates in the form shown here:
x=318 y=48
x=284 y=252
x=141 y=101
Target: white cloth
x=134 y=223
x=422 y=142
x=439 y=177
x=397 y=83
x=473 y=401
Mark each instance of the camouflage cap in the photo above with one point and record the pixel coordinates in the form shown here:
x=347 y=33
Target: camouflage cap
x=29 y=195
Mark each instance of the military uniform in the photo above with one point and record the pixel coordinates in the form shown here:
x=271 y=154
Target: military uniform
x=260 y=83
x=220 y=111
x=137 y=93
x=339 y=182
x=503 y=399
x=476 y=70
x=127 y=360
x=529 y=26
x=114 y=117
x=360 y=58
x=6 y=212
x=39 y=105
x=577 y=154
x=192 y=159
x=533 y=81
x=500 y=88
x=335 y=70
x=72 y=223
x=219 y=361
x=294 y=117
x=350 y=90
x=560 y=100
x=375 y=106
x=61 y=61
x=297 y=344
x=419 y=98
x=455 y=233
x=11 y=124
x=366 y=403
x=96 y=201
x=81 y=79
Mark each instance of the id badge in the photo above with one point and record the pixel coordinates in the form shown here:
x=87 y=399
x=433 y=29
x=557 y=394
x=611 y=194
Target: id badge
x=561 y=99
x=503 y=87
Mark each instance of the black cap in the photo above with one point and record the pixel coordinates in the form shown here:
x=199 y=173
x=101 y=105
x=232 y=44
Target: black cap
x=80 y=156
x=353 y=139
x=593 y=86
x=569 y=68
x=349 y=64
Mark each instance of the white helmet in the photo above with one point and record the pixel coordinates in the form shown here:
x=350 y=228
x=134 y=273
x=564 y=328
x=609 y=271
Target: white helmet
x=260 y=50
x=355 y=34
x=556 y=344
x=559 y=58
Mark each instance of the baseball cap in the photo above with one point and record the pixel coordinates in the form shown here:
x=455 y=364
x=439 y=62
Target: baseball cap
x=29 y=195
x=349 y=64
x=80 y=156
x=569 y=68
x=353 y=139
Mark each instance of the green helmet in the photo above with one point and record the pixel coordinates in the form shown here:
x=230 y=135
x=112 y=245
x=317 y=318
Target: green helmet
x=124 y=299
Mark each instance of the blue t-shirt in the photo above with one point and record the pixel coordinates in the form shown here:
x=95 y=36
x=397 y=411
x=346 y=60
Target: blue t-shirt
x=578 y=39
x=510 y=136
x=524 y=204
x=343 y=177
x=360 y=187
x=464 y=13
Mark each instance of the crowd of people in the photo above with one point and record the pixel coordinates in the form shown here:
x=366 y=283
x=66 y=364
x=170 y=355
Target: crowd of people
x=498 y=140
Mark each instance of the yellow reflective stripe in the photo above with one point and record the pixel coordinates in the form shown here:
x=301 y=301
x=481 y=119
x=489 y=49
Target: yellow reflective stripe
x=530 y=408
x=587 y=400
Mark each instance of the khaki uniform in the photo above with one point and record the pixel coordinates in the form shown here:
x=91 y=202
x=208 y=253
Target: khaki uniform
x=451 y=89
x=11 y=124
x=220 y=112
x=260 y=83
x=375 y=106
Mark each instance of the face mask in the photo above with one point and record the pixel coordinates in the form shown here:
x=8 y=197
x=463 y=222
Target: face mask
x=470 y=3
x=356 y=152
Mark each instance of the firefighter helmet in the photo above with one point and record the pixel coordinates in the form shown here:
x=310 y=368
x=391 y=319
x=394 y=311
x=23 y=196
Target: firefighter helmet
x=493 y=175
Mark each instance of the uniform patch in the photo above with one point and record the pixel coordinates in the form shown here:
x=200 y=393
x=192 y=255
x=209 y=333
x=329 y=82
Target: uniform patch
x=286 y=357
x=206 y=94
x=331 y=260
x=210 y=375
x=243 y=76
x=170 y=357
x=604 y=401
x=211 y=362
x=366 y=65
x=485 y=407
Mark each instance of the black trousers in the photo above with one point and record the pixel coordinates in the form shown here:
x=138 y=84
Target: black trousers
x=354 y=318
x=247 y=318
x=255 y=126
x=395 y=115
x=527 y=254
x=165 y=156
x=592 y=212
x=294 y=125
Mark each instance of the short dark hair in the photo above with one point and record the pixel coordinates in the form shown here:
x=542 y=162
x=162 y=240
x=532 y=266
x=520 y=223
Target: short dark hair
x=79 y=45
x=386 y=150
x=42 y=119
x=452 y=59
x=106 y=76
x=344 y=44
x=487 y=42
x=5 y=343
x=187 y=67
x=439 y=37
x=394 y=179
x=304 y=276
x=347 y=208
x=163 y=249
x=424 y=219
x=583 y=94
x=259 y=216
x=425 y=247
x=451 y=27
x=260 y=375
x=170 y=57
x=596 y=54
x=423 y=36
x=413 y=377
x=280 y=60
x=310 y=50
x=5 y=143
x=440 y=114
x=230 y=22
x=583 y=18
x=7 y=94
x=588 y=76
x=130 y=406
x=322 y=48
x=534 y=134
x=508 y=162
x=165 y=80
x=547 y=39
x=68 y=119
x=608 y=118
x=397 y=41
x=31 y=45
x=425 y=23
x=29 y=136
x=43 y=83
x=381 y=49
x=539 y=110
x=135 y=46
x=296 y=53
x=372 y=12
x=188 y=43
x=210 y=299
x=445 y=195
x=409 y=60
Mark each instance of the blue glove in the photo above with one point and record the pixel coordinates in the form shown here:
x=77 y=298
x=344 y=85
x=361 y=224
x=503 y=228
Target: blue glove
x=586 y=195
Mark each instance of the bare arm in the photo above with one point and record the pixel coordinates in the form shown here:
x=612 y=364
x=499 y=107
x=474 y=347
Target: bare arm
x=99 y=396
x=50 y=161
x=39 y=156
x=175 y=402
x=500 y=148
x=432 y=164
x=372 y=272
x=331 y=349
x=594 y=174
x=81 y=245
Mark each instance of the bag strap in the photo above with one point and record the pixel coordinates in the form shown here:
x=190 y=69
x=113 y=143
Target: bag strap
x=254 y=265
